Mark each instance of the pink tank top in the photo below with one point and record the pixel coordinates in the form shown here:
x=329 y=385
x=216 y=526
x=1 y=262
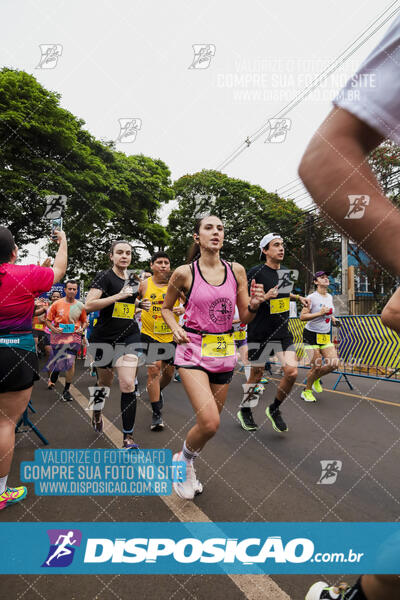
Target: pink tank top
x=209 y=309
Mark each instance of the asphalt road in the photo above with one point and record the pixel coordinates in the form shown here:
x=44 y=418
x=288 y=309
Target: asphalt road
x=260 y=476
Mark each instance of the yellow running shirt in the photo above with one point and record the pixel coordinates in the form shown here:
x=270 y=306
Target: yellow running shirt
x=153 y=324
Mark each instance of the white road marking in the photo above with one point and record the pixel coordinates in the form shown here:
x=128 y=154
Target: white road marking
x=254 y=587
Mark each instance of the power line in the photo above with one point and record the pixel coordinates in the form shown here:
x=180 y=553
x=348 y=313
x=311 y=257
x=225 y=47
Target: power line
x=315 y=83
x=304 y=93
x=286 y=184
x=293 y=189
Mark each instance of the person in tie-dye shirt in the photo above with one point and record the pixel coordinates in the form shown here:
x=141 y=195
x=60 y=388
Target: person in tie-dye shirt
x=67 y=321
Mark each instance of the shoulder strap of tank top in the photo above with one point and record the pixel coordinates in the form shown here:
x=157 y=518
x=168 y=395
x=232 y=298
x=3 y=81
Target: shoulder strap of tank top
x=192 y=268
x=233 y=273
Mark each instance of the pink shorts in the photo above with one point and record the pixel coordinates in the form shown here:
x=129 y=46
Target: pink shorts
x=189 y=355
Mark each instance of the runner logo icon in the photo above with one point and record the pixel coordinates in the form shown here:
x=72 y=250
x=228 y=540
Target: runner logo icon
x=50 y=53
x=358 y=204
x=62 y=547
x=128 y=129
x=330 y=471
x=203 y=54
x=277 y=130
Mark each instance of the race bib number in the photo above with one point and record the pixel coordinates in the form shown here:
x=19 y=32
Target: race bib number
x=123 y=310
x=218 y=346
x=240 y=335
x=39 y=326
x=323 y=338
x=67 y=327
x=279 y=305
x=161 y=327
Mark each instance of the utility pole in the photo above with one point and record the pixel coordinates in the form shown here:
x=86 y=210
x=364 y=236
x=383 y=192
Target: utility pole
x=309 y=252
x=344 y=298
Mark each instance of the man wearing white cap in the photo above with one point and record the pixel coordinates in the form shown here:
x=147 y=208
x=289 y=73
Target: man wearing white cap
x=269 y=331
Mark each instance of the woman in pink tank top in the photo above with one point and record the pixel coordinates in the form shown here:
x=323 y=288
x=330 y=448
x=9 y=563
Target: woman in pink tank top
x=205 y=353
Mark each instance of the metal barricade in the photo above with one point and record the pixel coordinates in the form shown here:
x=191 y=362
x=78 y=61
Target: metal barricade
x=366 y=348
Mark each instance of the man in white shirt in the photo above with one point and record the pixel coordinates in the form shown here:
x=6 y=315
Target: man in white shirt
x=336 y=172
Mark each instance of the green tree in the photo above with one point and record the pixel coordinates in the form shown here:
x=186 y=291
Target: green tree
x=248 y=213
x=385 y=162
x=46 y=150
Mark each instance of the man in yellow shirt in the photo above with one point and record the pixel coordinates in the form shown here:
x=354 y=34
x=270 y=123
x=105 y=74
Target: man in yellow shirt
x=157 y=335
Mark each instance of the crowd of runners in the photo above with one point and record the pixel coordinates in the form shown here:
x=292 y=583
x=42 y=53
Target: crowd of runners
x=198 y=319
x=193 y=318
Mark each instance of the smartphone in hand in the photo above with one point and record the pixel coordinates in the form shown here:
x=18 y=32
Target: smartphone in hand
x=56 y=225
x=132 y=281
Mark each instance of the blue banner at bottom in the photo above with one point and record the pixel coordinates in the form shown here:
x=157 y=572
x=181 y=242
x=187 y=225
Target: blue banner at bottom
x=200 y=548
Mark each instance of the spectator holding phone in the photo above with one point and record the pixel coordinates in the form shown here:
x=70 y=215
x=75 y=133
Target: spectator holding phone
x=19 y=286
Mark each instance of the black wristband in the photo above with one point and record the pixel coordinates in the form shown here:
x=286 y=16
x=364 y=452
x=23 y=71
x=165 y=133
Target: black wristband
x=251 y=310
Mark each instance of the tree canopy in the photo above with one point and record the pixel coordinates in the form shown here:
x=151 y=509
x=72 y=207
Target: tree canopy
x=248 y=213
x=46 y=150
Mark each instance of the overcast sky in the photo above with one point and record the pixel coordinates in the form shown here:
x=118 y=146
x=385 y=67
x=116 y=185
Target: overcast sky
x=130 y=59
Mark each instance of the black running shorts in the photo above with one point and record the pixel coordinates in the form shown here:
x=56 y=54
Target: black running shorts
x=268 y=348
x=18 y=369
x=112 y=350
x=169 y=348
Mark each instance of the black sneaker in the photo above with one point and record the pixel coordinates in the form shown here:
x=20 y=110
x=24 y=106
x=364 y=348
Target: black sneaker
x=246 y=420
x=276 y=419
x=157 y=423
x=66 y=397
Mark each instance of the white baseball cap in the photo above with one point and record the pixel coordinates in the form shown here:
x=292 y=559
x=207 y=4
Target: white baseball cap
x=268 y=238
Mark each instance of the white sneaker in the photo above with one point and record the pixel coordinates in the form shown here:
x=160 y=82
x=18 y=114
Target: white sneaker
x=189 y=488
x=322 y=591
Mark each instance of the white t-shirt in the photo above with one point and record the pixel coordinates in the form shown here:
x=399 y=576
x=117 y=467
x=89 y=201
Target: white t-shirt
x=237 y=326
x=320 y=324
x=373 y=93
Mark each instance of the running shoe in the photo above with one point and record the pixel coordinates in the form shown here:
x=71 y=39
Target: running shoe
x=177 y=377
x=93 y=370
x=317 y=387
x=264 y=380
x=308 y=396
x=12 y=496
x=97 y=421
x=66 y=396
x=258 y=389
x=246 y=420
x=191 y=487
x=129 y=444
x=322 y=591
x=276 y=419
x=157 y=423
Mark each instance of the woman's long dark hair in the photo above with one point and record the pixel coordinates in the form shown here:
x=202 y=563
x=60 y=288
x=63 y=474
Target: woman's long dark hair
x=194 y=251
x=7 y=245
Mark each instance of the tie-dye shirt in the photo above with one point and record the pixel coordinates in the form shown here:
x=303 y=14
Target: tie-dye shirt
x=19 y=286
x=63 y=312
